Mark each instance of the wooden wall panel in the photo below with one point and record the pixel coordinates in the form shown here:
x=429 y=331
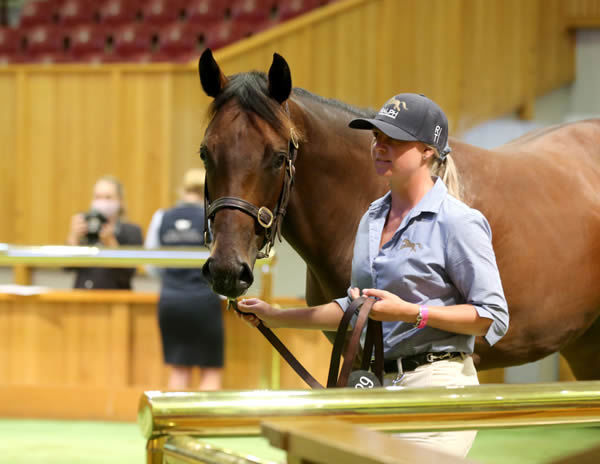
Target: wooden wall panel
x=583 y=13
x=555 y=46
x=188 y=122
x=8 y=149
x=147 y=367
x=108 y=342
x=144 y=150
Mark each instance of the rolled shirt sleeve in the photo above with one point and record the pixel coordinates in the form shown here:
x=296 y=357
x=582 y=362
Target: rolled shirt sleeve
x=471 y=265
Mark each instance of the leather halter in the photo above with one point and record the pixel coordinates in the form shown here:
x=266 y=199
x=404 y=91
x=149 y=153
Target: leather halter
x=268 y=220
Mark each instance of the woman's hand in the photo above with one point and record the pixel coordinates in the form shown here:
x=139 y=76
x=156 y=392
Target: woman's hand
x=77 y=230
x=259 y=311
x=107 y=236
x=390 y=307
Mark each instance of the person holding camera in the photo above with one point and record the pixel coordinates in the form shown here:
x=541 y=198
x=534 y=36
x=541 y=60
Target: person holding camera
x=103 y=225
x=189 y=312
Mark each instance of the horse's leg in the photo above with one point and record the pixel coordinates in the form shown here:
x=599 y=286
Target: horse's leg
x=583 y=353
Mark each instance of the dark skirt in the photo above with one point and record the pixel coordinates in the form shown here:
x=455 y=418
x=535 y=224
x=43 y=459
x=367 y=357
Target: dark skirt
x=191 y=327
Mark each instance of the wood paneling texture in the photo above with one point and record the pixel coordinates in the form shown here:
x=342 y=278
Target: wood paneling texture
x=109 y=342
x=62 y=127
x=582 y=13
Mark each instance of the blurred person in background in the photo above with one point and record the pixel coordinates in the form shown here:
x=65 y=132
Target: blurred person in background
x=104 y=225
x=189 y=313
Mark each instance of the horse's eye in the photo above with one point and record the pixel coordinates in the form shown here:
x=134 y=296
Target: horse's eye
x=279 y=160
x=203 y=152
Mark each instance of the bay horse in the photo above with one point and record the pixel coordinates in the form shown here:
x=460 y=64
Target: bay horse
x=540 y=193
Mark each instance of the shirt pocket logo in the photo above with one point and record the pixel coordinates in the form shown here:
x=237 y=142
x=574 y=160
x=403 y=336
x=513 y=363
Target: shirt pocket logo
x=406 y=243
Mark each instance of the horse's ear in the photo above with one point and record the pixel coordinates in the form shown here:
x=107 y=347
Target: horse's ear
x=211 y=77
x=280 y=79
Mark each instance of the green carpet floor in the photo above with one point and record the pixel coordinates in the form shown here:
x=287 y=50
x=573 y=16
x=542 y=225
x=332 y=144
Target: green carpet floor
x=78 y=442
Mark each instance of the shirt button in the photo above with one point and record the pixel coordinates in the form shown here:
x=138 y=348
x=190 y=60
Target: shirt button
x=88 y=284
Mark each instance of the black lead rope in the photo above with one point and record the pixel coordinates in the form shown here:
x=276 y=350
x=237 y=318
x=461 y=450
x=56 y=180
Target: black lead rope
x=374 y=341
x=283 y=351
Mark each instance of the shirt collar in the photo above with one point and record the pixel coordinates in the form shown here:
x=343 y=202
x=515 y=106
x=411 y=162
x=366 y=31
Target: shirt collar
x=431 y=202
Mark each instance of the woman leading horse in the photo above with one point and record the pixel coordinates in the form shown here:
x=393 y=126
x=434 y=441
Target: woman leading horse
x=538 y=194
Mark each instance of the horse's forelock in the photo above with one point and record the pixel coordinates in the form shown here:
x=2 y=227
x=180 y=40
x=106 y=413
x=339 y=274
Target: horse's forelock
x=250 y=93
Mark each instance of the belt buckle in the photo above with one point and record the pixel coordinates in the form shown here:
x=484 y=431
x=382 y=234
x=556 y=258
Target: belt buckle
x=432 y=357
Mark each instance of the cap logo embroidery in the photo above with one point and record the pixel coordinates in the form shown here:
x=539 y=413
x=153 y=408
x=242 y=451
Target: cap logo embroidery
x=393 y=107
x=436 y=134
x=406 y=243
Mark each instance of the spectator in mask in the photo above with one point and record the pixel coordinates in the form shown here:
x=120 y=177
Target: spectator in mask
x=103 y=225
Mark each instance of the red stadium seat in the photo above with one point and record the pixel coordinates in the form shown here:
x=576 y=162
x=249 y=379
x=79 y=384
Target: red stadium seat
x=180 y=42
x=163 y=11
x=39 y=12
x=253 y=11
x=10 y=40
x=44 y=40
x=119 y=12
x=11 y=50
x=207 y=12
x=291 y=8
x=74 y=12
x=133 y=42
x=49 y=58
x=88 y=41
x=227 y=32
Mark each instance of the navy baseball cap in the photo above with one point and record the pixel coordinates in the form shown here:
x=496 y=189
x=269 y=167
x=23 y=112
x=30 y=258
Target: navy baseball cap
x=412 y=117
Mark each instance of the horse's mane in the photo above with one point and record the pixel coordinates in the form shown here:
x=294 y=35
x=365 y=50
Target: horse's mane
x=250 y=90
x=355 y=111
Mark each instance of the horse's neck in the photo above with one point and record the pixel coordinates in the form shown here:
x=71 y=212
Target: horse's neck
x=334 y=185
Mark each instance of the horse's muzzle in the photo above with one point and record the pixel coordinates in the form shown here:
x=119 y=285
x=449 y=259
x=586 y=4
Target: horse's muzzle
x=228 y=279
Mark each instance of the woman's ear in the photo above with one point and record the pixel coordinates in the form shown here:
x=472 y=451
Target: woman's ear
x=428 y=152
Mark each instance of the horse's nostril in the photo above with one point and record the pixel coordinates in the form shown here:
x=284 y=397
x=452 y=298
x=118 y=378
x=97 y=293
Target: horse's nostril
x=206 y=270
x=246 y=276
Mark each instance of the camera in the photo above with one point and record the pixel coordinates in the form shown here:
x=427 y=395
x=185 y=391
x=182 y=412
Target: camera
x=95 y=220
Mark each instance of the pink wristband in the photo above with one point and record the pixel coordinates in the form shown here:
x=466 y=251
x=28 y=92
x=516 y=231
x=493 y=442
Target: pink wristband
x=423 y=316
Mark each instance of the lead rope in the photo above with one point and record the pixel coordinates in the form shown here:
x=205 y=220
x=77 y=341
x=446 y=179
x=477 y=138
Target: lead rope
x=283 y=351
x=374 y=340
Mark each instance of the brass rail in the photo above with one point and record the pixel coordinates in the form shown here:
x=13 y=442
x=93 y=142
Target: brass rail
x=398 y=409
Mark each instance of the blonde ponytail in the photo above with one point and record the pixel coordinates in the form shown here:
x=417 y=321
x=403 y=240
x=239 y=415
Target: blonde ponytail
x=446 y=170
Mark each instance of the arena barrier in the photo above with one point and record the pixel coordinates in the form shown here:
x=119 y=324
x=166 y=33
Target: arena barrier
x=175 y=423
x=87 y=256
x=89 y=354
x=397 y=409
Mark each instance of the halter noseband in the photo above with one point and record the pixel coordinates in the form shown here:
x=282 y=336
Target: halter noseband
x=269 y=221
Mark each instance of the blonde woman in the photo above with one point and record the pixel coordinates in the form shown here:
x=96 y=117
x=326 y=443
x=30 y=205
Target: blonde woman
x=425 y=256
x=189 y=313
x=104 y=225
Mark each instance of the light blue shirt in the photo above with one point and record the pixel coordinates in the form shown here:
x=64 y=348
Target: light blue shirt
x=441 y=255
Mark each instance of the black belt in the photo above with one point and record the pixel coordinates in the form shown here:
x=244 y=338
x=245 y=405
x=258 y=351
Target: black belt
x=410 y=363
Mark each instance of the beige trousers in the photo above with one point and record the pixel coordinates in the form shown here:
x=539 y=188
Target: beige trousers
x=451 y=372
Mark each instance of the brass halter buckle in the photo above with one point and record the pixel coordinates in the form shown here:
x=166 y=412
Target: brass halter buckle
x=259 y=219
x=294 y=138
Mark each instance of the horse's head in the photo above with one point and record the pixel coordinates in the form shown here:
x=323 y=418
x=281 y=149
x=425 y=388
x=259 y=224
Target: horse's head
x=248 y=151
